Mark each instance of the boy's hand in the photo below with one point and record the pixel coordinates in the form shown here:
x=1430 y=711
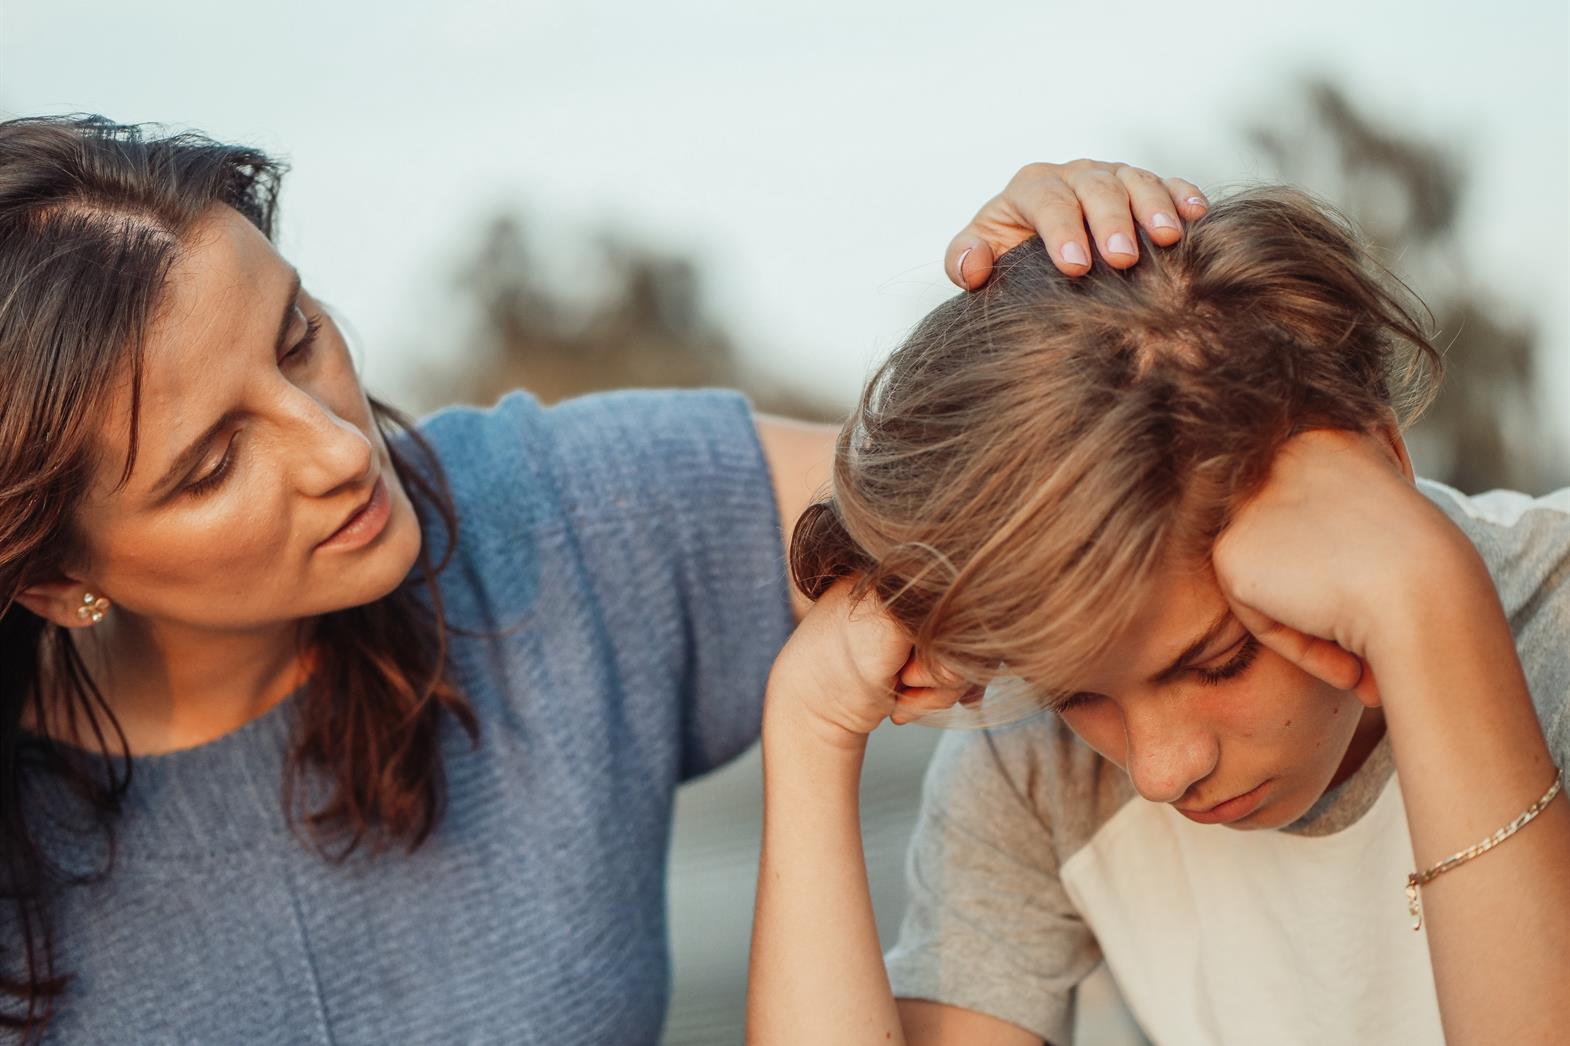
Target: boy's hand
x=1334 y=549
x=1055 y=201
x=848 y=667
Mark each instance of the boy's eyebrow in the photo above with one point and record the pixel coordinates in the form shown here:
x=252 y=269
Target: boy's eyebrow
x=1195 y=648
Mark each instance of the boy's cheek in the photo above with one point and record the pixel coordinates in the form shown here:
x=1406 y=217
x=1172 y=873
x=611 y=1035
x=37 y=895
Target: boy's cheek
x=1101 y=729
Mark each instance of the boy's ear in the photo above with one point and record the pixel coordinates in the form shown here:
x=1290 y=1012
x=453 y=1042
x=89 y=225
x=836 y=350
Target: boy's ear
x=1389 y=435
x=59 y=601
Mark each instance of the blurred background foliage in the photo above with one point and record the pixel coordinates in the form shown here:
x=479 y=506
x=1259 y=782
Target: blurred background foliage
x=647 y=322
x=1488 y=427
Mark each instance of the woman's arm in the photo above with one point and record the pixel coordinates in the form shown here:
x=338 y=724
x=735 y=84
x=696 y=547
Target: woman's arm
x=817 y=972
x=1376 y=571
x=800 y=456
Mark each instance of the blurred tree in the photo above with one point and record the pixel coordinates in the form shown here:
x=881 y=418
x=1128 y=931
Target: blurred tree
x=1487 y=429
x=644 y=325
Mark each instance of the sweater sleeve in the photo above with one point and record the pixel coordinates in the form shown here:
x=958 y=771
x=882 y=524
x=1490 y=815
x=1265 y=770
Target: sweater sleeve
x=673 y=506
x=628 y=545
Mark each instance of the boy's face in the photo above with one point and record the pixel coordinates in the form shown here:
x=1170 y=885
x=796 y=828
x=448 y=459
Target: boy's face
x=1202 y=716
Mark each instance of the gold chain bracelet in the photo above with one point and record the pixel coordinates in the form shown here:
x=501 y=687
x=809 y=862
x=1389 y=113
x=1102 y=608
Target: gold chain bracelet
x=1418 y=879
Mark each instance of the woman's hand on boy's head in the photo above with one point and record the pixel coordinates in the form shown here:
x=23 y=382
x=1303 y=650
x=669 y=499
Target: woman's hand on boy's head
x=1332 y=550
x=1056 y=201
x=849 y=666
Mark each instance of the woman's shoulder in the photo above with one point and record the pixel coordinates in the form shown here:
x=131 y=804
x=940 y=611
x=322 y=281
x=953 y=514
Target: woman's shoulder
x=632 y=536
x=599 y=455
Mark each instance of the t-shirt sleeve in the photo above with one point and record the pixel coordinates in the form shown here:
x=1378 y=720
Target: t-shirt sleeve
x=673 y=512
x=1525 y=542
x=989 y=926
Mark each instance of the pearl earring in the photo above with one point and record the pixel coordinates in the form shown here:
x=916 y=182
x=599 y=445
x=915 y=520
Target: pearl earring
x=93 y=608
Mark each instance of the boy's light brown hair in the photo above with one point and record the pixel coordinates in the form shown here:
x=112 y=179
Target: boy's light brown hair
x=1035 y=451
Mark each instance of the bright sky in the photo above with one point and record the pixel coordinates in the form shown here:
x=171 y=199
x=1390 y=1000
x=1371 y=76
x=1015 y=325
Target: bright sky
x=816 y=155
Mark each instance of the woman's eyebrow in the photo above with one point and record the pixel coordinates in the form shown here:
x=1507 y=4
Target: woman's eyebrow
x=1194 y=649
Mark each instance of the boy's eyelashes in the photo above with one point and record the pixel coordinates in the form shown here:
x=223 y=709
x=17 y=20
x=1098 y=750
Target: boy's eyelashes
x=1064 y=704
x=1236 y=665
x=1239 y=657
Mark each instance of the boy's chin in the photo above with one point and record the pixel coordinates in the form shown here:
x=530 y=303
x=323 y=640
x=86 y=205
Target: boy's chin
x=1278 y=814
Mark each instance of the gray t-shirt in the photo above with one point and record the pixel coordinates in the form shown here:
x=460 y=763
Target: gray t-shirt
x=1034 y=860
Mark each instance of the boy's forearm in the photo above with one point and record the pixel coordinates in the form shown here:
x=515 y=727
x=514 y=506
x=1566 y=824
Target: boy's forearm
x=816 y=971
x=1471 y=757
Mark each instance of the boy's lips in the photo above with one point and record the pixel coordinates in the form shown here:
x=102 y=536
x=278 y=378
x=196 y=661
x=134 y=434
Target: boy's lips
x=1234 y=809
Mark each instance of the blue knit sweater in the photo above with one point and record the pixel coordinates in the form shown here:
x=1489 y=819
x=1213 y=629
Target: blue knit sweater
x=624 y=552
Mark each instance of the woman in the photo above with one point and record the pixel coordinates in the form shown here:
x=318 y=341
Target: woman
x=318 y=728
x=1174 y=504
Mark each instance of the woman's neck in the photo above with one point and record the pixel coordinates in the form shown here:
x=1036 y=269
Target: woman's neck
x=172 y=686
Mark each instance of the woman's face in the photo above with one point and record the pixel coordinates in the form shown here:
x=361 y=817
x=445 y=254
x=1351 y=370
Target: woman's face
x=256 y=446
x=1204 y=718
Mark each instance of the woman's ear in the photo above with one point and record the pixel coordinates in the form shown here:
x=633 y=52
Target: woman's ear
x=67 y=602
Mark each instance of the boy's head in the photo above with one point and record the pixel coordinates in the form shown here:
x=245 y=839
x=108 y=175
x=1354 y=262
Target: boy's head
x=1033 y=483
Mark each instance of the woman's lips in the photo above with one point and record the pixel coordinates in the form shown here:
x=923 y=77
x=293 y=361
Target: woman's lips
x=365 y=523
x=1234 y=809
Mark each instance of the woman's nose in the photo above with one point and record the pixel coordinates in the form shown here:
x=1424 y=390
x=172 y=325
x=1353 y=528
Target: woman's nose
x=334 y=452
x=1167 y=753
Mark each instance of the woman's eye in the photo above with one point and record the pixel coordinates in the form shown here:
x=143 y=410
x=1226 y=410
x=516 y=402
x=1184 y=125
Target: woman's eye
x=211 y=481
x=1233 y=667
x=302 y=348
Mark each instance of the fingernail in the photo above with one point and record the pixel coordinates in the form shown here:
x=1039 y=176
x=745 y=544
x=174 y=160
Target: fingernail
x=1120 y=244
x=959 y=266
x=1196 y=201
x=1163 y=220
x=1074 y=254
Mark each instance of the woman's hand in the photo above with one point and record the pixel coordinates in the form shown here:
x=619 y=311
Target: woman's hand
x=849 y=666
x=1331 y=550
x=1056 y=201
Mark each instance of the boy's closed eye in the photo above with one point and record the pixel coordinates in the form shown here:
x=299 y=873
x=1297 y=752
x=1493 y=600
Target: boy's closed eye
x=1228 y=664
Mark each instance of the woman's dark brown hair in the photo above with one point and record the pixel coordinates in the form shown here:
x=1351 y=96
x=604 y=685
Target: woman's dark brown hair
x=1035 y=451
x=92 y=215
